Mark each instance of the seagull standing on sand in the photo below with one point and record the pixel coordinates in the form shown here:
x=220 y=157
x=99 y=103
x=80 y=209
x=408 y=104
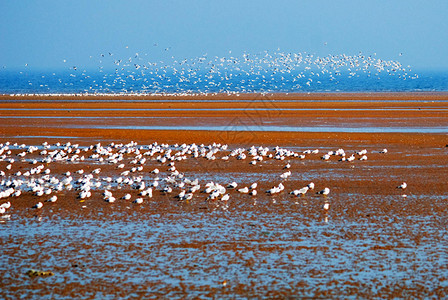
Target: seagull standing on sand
x=232 y=185
x=138 y=201
x=285 y=175
x=53 y=199
x=301 y=191
x=6 y=205
x=244 y=190
x=402 y=186
x=324 y=192
x=110 y=199
x=38 y=205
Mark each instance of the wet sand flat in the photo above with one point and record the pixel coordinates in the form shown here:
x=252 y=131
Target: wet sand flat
x=374 y=240
x=256 y=119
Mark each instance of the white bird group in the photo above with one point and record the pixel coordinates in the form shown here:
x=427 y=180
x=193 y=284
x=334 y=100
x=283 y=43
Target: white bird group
x=4 y=207
x=251 y=72
x=140 y=167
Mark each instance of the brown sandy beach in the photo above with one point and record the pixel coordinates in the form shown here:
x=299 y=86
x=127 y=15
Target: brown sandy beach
x=374 y=241
x=383 y=110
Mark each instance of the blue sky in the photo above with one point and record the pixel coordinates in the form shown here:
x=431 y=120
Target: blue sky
x=44 y=33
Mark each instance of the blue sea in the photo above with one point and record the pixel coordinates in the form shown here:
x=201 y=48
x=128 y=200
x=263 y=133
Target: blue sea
x=66 y=83
x=14 y=82
x=265 y=73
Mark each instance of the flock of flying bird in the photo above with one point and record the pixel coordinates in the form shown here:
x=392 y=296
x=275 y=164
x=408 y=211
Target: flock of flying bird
x=136 y=168
x=262 y=73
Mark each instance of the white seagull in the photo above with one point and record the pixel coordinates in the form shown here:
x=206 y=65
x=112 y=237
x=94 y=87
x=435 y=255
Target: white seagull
x=324 y=192
x=244 y=190
x=402 y=186
x=53 y=199
x=302 y=191
x=38 y=205
x=5 y=205
x=232 y=185
x=138 y=200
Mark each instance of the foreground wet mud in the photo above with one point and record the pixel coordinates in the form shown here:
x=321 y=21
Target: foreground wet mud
x=372 y=240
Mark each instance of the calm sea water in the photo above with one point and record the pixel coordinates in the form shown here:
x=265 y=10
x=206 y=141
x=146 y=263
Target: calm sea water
x=162 y=81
